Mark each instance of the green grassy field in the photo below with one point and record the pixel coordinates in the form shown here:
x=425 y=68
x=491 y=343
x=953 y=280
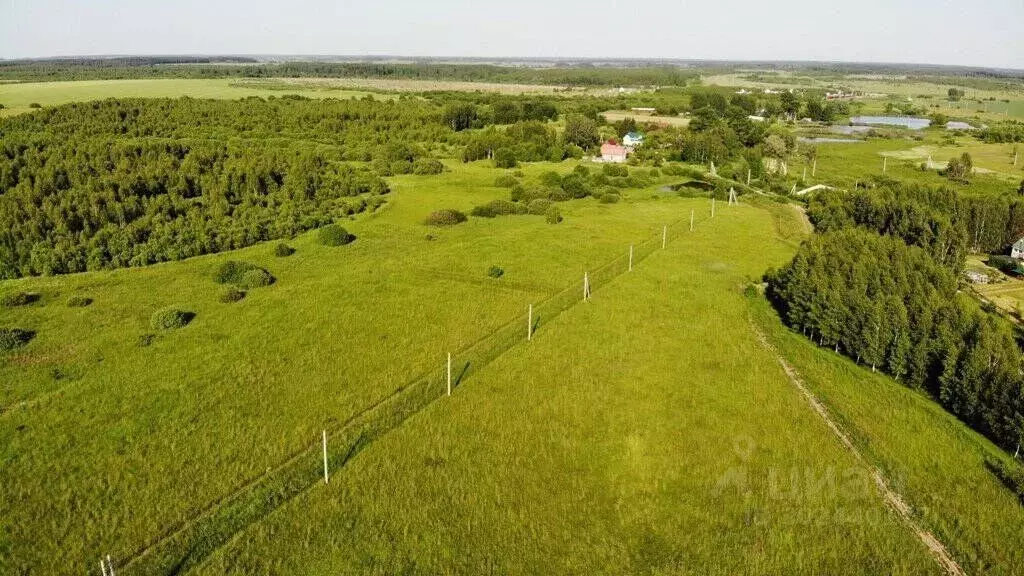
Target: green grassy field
x=613 y=443
x=16 y=97
x=936 y=462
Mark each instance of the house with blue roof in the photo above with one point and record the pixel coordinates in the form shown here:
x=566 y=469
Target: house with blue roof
x=632 y=139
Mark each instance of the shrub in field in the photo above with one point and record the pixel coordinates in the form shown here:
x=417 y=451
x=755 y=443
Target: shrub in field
x=553 y=215
x=334 y=235
x=446 y=217
x=11 y=338
x=144 y=340
x=13 y=299
x=498 y=208
x=170 y=319
x=231 y=272
x=614 y=170
x=506 y=181
x=495 y=271
x=551 y=178
x=505 y=158
x=231 y=294
x=427 y=166
x=79 y=301
x=35 y=105
x=539 y=206
x=609 y=198
x=257 y=278
x=283 y=250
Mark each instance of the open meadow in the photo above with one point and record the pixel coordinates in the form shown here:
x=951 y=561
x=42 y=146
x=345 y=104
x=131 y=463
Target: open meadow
x=513 y=359
x=18 y=97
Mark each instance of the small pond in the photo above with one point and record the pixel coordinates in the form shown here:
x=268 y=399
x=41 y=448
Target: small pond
x=819 y=140
x=903 y=121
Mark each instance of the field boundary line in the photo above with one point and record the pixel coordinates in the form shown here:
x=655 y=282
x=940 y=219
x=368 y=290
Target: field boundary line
x=893 y=499
x=359 y=418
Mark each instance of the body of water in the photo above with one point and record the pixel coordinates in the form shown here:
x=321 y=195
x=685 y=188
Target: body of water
x=902 y=121
x=818 y=140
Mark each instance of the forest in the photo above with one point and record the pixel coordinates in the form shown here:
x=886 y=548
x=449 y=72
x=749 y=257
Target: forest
x=879 y=283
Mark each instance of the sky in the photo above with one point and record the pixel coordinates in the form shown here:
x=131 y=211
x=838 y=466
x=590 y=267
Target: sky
x=979 y=33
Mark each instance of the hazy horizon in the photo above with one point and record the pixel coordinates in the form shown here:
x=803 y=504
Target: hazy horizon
x=872 y=32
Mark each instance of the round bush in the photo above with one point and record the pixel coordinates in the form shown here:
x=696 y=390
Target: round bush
x=283 y=250
x=231 y=272
x=12 y=299
x=506 y=181
x=427 y=166
x=553 y=215
x=609 y=198
x=495 y=271
x=170 y=319
x=11 y=338
x=257 y=278
x=79 y=301
x=505 y=158
x=446 y=217
x=539 y=206
x=334 y=235
x=231 y=294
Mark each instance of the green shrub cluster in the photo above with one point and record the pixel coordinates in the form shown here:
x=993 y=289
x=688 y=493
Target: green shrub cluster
x=11 y=338
x=334 y=235
x=553 y=215
x=498 y=208
x=427 y=166
x=506 y=181
x=283 y=250
x=13 y=299
x=539 y=206
x=170 y=319
x=256 y=278
x=495 y=272
x=231 y=294
x=445 y=217
x=79 y=301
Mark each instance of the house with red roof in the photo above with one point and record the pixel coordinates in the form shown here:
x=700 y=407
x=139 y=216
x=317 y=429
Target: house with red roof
x=612 y=152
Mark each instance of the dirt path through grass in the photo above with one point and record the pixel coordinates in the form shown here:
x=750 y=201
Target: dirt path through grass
x=892 y=498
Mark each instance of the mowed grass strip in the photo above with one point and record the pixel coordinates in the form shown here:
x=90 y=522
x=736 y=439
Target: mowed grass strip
x=933 y=460
x=645 y=431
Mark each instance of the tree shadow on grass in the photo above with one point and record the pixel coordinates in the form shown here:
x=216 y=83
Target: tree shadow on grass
x=1011 y=478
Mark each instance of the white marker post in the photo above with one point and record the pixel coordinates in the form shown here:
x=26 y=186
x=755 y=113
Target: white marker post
x=664 y=236
x=449 y=373
x=712 y=206
x=691 y=220
x=327 y=478
x=630 y=257
x=103 y=567
x=529 y=324
x=586 y=286
x=885 y=161
x=804 y=177
x=748 y=176
x=110 y=566
x=814 y=167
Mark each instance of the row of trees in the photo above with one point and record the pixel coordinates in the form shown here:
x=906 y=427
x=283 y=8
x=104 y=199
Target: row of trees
x=895 y=308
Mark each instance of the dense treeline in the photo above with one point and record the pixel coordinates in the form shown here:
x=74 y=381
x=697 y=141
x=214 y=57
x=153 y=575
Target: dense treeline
x=97 y=203
x=878 y=282
x=51 y=70
x=893 y=307
x=133 y=182
x=945 y=223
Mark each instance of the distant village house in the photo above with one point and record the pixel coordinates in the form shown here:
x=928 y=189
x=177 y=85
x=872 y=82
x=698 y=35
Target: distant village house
x=1017 y=250
x=612 y=152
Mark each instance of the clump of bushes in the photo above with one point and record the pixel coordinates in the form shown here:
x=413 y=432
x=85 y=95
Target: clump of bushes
x=553 y=215
x=446 y=217
x=506 y=181
x=334 y=235
x=498 y=208
x=256 y=278
x=608 y=198
x=79 y=301
x=11 y=338
x=614 y=170
x=539 y=206
x=495 y=271
x=242 y=274
x=505 y=158
x=170 y=319
x=283 y=250
x=13 y=299
x=427 y=166
x=231 y=294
